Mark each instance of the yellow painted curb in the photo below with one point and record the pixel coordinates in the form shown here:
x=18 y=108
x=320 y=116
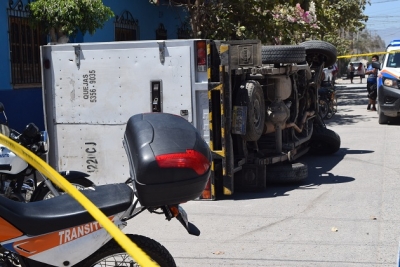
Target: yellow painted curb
x=131 y=248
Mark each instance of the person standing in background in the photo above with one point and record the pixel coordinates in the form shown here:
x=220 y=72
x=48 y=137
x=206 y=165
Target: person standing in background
x=351 y=72
x=334 y=73
x=371 y=84
x=360 y=71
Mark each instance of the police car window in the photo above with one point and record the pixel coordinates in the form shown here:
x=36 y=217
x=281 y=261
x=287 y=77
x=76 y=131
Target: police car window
x=393 y=60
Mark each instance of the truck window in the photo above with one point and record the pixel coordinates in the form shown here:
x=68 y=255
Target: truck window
x=393 y=60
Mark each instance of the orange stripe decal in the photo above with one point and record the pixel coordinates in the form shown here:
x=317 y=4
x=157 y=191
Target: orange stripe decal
x=7 y=231
x=31 y=246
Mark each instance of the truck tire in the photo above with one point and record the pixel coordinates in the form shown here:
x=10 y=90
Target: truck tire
x=324 y=141
x=323 y=51
x=272 y=54
x=285 y=173
x=255 y=111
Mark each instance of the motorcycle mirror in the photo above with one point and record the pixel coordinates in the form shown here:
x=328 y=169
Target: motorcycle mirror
x=31 y=130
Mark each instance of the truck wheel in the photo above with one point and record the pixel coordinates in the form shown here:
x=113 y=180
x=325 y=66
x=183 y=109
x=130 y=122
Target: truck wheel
x=272 y=54
x=382 y=118
x=324 y=141
x=285 y=173
x=255 y=111
x=320 y=51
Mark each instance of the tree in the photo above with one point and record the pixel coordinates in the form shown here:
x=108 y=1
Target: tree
x=67 y=17
x=276 y=21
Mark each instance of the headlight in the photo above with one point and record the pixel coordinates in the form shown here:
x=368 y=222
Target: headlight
x=391 y=83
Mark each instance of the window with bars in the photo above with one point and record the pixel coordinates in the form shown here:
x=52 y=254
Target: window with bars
x=161 y=32
x=25 y=42
x=126 y=27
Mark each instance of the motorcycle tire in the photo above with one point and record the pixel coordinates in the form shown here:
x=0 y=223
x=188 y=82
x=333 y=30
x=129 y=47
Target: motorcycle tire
x=80 y=183
x=111 y=254
x=331 y=111
x=323 y=108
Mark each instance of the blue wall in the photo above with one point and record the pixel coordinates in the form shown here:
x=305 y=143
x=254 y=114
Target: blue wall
x=25 y=105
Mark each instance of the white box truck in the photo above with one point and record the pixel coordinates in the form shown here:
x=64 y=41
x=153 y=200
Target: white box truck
x=256 y=106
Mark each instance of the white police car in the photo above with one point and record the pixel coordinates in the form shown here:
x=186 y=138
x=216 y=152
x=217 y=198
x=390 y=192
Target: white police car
x=389 y=84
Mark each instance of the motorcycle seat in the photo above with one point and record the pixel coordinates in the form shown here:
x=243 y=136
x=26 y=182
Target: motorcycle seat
x=61 y=212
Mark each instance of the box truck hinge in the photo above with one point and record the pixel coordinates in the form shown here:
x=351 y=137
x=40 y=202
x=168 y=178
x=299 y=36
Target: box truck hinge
x=77 y=55
x=161 y=47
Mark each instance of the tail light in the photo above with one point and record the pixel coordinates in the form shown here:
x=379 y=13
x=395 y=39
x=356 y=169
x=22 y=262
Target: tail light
x=201 y=56
x=190 y=159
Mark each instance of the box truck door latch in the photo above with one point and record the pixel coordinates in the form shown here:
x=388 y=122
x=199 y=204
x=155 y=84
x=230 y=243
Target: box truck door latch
x=77 y=55
x=156 y=96
x=161 y=47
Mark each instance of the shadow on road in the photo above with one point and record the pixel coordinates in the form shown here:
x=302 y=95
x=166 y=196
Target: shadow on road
x=320 y=167
x=341 y=118
x=319 y=173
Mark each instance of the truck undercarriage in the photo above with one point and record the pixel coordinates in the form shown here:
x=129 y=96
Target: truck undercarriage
x=271 y=117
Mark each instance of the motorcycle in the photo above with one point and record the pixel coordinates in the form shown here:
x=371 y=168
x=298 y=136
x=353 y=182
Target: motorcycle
x=18 y=180
x=327 y=100
x=169 y=163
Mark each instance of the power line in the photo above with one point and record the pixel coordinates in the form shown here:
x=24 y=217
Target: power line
x=384 y=1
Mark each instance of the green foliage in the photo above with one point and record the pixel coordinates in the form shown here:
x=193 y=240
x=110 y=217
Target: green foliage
x=278 y=21
x=69 y=16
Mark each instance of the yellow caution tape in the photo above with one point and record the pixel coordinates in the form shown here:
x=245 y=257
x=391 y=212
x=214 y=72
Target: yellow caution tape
x=369 y=54
x=131 y=248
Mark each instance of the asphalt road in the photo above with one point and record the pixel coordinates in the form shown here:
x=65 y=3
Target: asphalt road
x=345 y=214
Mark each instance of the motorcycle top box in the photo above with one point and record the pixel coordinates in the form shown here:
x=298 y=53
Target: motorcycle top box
x=169 y=161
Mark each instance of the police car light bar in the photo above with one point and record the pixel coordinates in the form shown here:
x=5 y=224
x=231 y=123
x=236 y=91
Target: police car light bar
x=395 y=43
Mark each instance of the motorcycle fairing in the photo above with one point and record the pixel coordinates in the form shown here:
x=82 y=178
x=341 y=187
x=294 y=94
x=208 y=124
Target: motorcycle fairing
x=8 y=231
x=72 y=244
x=9 y=158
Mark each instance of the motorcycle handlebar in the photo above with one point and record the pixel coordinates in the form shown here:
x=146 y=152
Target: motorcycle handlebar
x=29 y=138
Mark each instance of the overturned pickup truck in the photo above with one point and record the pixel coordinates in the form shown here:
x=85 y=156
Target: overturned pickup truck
x=256 y=106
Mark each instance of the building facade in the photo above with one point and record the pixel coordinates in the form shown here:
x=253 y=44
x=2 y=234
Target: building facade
x=20 y=70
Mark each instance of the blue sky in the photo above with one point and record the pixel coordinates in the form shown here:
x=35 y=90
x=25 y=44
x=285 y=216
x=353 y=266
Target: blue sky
x=384 y=19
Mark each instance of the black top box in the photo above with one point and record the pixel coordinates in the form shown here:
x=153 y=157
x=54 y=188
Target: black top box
x=170 y=163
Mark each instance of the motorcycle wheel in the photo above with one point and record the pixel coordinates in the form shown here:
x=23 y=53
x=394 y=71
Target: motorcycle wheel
x=334 y=104
x=331 y=110
x=111 y=254
x=80 y=183
x=323 y=108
